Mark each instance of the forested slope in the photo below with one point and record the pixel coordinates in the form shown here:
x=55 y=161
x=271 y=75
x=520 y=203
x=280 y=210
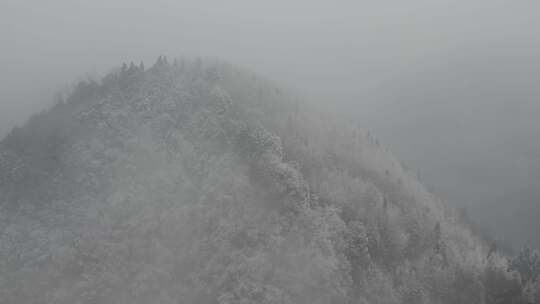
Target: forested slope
x=199 y=182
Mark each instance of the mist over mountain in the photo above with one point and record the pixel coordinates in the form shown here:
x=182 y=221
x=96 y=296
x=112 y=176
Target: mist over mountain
x=201 y=181
x=469 y=127
x=196 y=181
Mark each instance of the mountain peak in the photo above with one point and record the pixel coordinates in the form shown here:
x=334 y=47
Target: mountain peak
x=200 y=182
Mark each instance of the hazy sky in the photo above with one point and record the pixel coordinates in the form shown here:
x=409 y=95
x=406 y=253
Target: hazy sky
x=335 y=51
x=451 y=86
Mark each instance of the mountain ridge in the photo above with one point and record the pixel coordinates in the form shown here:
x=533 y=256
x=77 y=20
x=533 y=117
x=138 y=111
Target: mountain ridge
x=200 y=182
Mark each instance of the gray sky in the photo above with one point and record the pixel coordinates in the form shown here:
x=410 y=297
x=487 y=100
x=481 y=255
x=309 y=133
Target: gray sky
x=335 y=51
x=450 y=85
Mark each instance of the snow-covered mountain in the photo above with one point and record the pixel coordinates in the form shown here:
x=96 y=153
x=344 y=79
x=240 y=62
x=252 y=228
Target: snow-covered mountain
x=199 y=182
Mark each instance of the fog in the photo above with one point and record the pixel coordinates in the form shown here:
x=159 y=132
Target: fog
x=450 y=86
x=320 y=152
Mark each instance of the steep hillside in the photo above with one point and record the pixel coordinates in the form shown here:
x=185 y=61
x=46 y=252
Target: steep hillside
x=199 y=182
x=478 y=112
